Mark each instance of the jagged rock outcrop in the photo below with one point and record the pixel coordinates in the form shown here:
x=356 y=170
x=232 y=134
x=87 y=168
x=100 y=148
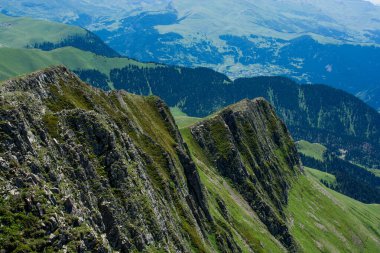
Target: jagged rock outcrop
x=85 y=170
x=248 y=144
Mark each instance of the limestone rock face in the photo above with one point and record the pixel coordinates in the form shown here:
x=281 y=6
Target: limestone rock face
x=94 y=171
x=249 y=145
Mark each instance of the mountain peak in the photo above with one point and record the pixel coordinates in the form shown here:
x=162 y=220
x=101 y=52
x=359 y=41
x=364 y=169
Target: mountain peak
x=39 y=80
x=250 y=145
x=246 y=104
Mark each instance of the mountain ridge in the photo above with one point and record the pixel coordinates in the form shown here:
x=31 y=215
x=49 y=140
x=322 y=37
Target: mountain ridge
x=96 y=154
x=232 y=140
x=74 y=160
x=102 y=145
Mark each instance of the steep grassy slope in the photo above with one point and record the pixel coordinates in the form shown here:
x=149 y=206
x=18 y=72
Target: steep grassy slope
x=32 y=33
x=325 y=221
x=326 y=178
x=228 y=207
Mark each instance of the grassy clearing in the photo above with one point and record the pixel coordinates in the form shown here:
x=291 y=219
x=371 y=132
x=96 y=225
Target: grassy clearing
x=314 y=150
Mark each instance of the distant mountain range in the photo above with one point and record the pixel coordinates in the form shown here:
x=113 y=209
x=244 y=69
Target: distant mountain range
x=310 y=41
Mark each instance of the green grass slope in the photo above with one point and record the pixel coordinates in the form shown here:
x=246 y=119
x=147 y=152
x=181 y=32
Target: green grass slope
x=326 y=221
x=22 y=32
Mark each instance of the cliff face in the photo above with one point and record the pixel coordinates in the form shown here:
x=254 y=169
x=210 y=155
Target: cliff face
x=81 y=169
x=251 y=147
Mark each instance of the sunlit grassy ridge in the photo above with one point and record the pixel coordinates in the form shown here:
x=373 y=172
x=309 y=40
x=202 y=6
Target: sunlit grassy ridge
x=15 y=62
x=22 y=32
